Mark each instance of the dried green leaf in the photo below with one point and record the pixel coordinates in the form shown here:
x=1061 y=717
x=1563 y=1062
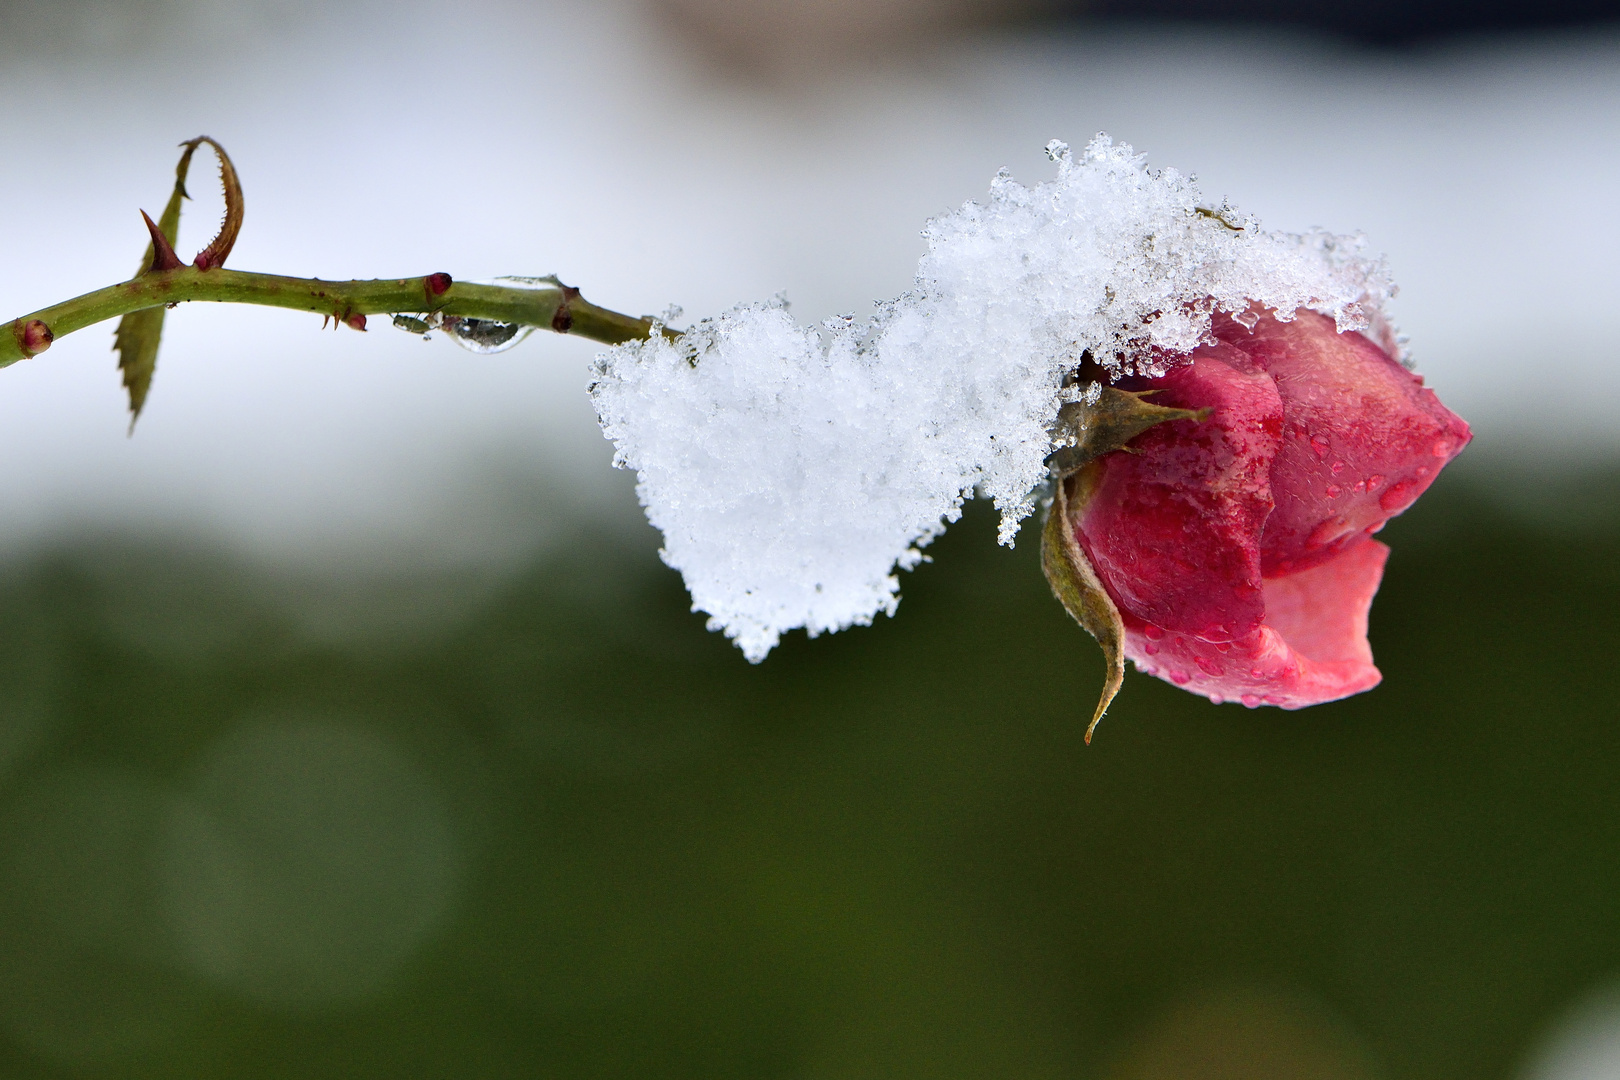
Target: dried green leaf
x=1076 y=585
x=140 y=332
x=214 y=255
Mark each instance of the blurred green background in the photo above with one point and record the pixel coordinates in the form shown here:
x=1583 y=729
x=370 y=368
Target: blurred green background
x=542 y=824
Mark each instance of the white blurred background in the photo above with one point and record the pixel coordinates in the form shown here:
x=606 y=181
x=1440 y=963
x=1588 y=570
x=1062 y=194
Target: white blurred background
x=704 y=154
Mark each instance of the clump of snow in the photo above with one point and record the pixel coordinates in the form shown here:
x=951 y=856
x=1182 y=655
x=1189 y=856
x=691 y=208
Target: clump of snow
x=792 y=470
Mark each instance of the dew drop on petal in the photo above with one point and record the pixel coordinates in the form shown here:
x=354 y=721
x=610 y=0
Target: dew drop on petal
x=1338 y=467
x=1209 y=666
x=1252 y=700
x=1150 y=648
x=1320 y=444
x=1397 y=497
x=1442 y=447
x=1154 y=632
x=1180 y=678
x=1374 y=480
x=1328 y=532
x=1334 y=491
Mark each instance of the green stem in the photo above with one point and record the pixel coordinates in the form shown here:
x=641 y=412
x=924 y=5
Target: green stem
x=561 y=309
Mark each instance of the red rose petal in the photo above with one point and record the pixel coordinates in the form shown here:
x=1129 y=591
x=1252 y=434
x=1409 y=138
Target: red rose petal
x=1312 y=649
x=1173 y=530
x=1362 y=436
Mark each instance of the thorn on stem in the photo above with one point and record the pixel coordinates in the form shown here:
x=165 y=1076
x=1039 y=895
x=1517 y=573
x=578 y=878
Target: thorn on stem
x=163 y=256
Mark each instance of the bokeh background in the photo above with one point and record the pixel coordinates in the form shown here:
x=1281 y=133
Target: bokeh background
x=350 y=726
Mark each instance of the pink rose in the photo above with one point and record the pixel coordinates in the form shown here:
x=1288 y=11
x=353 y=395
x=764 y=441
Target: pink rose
x=1238 y=550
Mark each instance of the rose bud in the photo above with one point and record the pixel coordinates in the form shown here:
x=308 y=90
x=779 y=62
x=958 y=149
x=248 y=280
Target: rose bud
x=1237 y=549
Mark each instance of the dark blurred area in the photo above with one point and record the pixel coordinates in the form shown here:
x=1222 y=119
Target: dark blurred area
x=1380 y=22
x=763 y=36
x=560 y=830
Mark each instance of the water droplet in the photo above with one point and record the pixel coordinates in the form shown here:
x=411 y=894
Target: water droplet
x=1361 y=485
x=1275 y=699
x=485 y=335
x=1247 y=319
x=1398 y=497
x=1374 y=480
x=1422 y=471
x=1180 y=678
x=1152 y=631
x=1334 y=491
x=1150 y=648
x=1329 y=532
x=1257 y=673
x=1223 y=646
x=1442 y=447
x=1209 y=666
x=1252 y=700
x=1338 y=467
x=1320 y=444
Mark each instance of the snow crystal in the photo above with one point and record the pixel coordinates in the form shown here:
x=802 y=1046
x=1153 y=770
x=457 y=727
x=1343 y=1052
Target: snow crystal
x=792 y=470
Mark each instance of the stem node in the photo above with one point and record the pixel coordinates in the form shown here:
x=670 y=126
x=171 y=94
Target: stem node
x=33 y=336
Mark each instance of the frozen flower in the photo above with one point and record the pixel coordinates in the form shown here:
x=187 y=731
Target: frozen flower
x=1237 y=549
x=793 y=470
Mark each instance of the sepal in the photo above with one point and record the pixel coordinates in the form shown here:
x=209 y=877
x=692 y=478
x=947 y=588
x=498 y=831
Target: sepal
x=1106 y=419
x=1076 y=585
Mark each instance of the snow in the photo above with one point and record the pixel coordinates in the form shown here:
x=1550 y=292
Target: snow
x=792 y=470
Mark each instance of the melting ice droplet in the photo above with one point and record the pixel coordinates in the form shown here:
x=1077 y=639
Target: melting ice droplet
x=484 y=335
